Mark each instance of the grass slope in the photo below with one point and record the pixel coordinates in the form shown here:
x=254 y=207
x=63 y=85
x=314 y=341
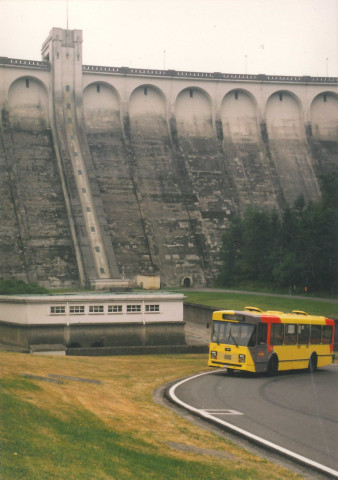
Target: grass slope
x=113 y=430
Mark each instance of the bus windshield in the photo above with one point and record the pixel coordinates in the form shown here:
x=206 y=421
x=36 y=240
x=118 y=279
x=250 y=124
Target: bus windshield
x=233 y=333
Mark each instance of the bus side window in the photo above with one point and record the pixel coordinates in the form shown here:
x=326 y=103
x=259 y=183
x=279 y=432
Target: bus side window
x=262 y=333
x=252 y=341
x=277 y=334
x=303 y=334
x=327 y=334
x=316 y=331
x=290 y=334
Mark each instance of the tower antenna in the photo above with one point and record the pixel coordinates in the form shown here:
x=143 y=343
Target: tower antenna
x=67 y=14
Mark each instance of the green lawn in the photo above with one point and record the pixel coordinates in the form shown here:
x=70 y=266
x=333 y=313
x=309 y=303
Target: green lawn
x=238 y=301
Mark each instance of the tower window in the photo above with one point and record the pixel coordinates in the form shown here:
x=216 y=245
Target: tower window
x=97 y=249
x=27 y=83
x=67 y=88
x=145 y=90
x=98 y=88
x=191 y=92
x=280 y=97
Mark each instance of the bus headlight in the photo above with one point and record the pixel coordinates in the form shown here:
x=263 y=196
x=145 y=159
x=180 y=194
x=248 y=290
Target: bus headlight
x=213 y=354
x=241 y=358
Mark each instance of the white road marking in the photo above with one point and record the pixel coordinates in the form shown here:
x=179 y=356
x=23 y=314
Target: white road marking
x=251 y=436
x=222 y=412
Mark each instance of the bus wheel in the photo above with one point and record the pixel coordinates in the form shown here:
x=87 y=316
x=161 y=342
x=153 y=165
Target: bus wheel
x=313 y=363
x=230 y=371
x=272 y=369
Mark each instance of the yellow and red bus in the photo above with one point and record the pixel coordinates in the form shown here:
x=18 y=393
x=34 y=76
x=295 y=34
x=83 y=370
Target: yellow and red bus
x=255 y=341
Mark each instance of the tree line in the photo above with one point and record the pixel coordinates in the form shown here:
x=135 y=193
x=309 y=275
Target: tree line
x=295 y=248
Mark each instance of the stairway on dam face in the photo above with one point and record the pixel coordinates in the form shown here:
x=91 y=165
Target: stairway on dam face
x=119 y=199
x=42 y=222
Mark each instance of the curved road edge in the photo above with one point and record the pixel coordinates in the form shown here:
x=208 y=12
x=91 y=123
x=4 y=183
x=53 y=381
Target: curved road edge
x=262 y=442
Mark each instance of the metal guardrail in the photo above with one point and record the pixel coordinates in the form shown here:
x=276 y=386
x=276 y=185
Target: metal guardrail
x=208 y=76
x=44 y=65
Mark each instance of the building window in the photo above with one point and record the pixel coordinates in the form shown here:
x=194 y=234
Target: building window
x=96 y=309
x=114 y=308
x=152 y=308
x=92 y=229
x=102 y=270
x=27 y=83
x=325 y=97
x=236 y=95
x=88 y=209
x=58 y=310
x=280 y=97
x=79 y=172
x=67 y=88
x=68 y=106
x=191 y=93
x=76 y=309
x=145 y=90
x=133 y=308
x=83 y=190
x=98 y=88
x=69 y=120
x=97 y=249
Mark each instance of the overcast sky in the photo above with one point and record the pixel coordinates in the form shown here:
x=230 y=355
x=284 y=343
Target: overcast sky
x=286 y=37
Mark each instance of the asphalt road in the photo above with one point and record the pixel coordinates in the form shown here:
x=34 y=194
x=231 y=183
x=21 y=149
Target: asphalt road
x=295 y=411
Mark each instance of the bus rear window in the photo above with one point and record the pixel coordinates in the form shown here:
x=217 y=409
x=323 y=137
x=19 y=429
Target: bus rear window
x=316 y=331
x=327 y=334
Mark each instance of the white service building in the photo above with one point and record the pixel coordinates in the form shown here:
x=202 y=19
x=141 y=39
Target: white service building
x=92 y=319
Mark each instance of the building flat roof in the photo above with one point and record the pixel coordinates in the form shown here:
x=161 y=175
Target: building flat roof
x=89 y=296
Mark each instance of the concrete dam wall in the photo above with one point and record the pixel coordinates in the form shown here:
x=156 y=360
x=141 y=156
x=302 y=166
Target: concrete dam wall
x=109 y=172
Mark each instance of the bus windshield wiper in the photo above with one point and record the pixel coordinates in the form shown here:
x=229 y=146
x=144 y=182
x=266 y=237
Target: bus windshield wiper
x=231 y=336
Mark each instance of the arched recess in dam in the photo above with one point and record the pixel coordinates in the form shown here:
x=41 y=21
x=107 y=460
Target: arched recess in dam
x=288 y=147
x=28 y=104
x=244 y=152
x=111 y=159
x=41 y=219
x=201 y=153
x=324 y=123
x=161 y=191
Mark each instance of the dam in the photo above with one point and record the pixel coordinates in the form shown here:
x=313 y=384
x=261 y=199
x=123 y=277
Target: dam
x=112 y=172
